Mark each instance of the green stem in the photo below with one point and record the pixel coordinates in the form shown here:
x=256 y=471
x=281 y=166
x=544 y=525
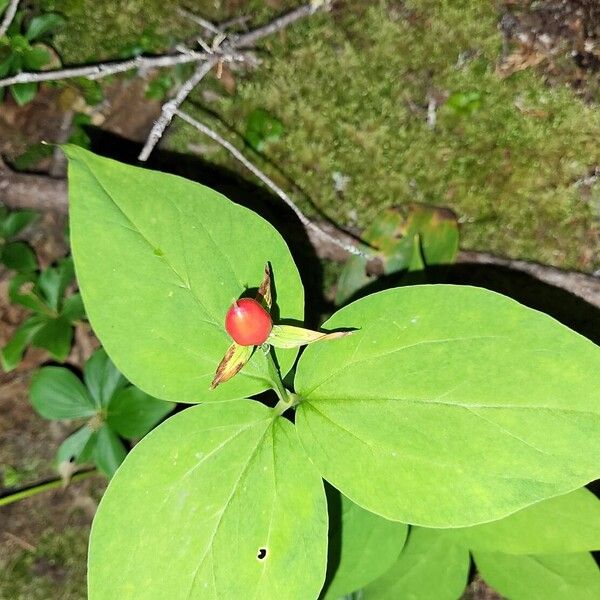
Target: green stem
x=275 y=378
x=37 y=488
x=287 y=399
x=283 y=405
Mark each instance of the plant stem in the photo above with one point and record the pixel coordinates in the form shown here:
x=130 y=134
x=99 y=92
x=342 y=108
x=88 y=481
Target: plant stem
x=287 y=399
x=38 y=488
x=283 y=405
x=275 y=378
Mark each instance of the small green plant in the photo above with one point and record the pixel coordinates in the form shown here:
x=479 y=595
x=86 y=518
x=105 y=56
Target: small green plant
x=16 y=254
x=452 y=409
x=262 y=128
x=25 y=47
x=401 y=241
x=113 y=408
x=55 y=312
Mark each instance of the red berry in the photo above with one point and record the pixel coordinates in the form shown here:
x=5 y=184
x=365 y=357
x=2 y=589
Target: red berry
x=248 y=323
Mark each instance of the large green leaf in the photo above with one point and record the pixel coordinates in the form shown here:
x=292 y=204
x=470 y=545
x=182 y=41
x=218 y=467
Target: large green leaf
x=219 y=501
x=56 y=393
x=450 y=406
x=431 y=567
x=547 y=577
x=362 y=546
x=159 y=260
x=569 y=523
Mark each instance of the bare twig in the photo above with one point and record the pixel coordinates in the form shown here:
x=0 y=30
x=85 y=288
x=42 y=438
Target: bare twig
x=247 y=40
x=306 y=222
x=170 y=108
x=225 y=25
x=221 y=47
x=207 y=25
x=103 y=70
x=9 y=15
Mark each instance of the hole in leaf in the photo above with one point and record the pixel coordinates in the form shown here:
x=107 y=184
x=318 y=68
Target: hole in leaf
x=262 y=553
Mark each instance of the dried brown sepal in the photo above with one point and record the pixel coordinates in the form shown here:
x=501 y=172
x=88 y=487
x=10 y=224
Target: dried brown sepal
x=288 y=336
x=233 y=361
x=264 y=295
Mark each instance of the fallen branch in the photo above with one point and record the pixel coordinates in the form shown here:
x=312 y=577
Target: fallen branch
x=110 y=68
x=306 y=222
x=10 y=496
x=170 y=107
x=222 y=46
x=9 y=15
x=249 y=39
x=40 y=192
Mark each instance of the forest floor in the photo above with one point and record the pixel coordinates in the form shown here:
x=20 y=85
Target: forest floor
x=490 y=110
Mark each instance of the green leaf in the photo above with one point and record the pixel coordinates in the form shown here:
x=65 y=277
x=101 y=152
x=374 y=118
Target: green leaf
x=16 y=221
x=53 y=282
x=32 y=156
x=3 y=5
x=430 y=567
x=75 y=445
x=548 y=577
x=438 y=231
x=23 y=92
x=56 y=393
x=18 y=256
x=362 y=546
x=109 y=451
x=102 y=378
x=73 y=309
x=92 y=93
x=12 y=353
x=464 y=103
x=133 y=413
x=23 y=290
x=159 y=260
x=262 y=128
x=392 y=236
x=416 y=261
x=55 y=336
x=396 y=415
x=225 y=496
x=352 y=278
x=569 y=523
x=35 y=58
x=44 y=24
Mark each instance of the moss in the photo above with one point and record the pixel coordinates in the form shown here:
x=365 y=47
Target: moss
x=56 y=568
x=115 y=26
x=352 y=89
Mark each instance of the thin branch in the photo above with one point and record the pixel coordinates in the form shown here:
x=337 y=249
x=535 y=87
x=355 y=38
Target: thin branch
x=170 y=107
x=247 y=40
x=103 y=70
x=10 y=496
x=306 y=222
x=200 y=21
x=9 y=15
